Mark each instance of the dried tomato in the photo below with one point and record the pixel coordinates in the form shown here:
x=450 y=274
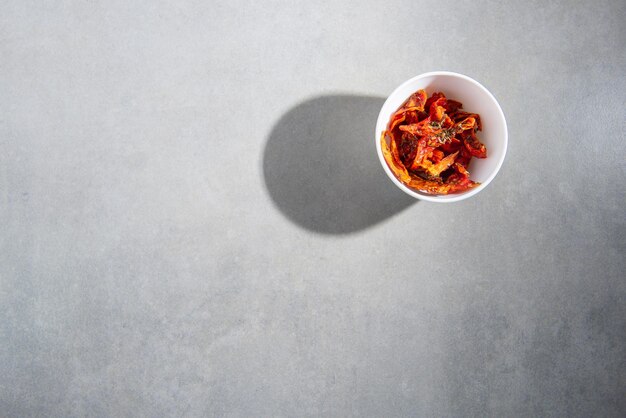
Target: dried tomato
x=429 y=143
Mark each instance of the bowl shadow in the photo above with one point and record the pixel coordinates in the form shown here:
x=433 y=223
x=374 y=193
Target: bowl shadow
x=321 y=168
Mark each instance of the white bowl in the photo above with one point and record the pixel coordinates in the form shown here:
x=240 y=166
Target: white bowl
x=475 y=99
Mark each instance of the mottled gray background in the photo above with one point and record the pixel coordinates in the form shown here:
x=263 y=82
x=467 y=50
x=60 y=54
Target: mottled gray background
x=193 y=221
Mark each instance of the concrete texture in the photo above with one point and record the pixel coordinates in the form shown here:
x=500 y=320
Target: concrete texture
x=193 y=221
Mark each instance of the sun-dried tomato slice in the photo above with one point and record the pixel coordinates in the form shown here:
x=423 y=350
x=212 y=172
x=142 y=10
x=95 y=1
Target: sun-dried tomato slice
x=393 y=160
x=475 y=147
x=417 y=100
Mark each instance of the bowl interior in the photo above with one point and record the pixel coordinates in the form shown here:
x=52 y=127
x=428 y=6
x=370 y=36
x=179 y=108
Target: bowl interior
x=476 y=99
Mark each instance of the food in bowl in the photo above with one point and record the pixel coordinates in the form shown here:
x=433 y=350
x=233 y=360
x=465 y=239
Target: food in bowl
x=429 y=143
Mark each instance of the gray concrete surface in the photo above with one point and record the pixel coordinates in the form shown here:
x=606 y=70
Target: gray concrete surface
x=193 y=221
